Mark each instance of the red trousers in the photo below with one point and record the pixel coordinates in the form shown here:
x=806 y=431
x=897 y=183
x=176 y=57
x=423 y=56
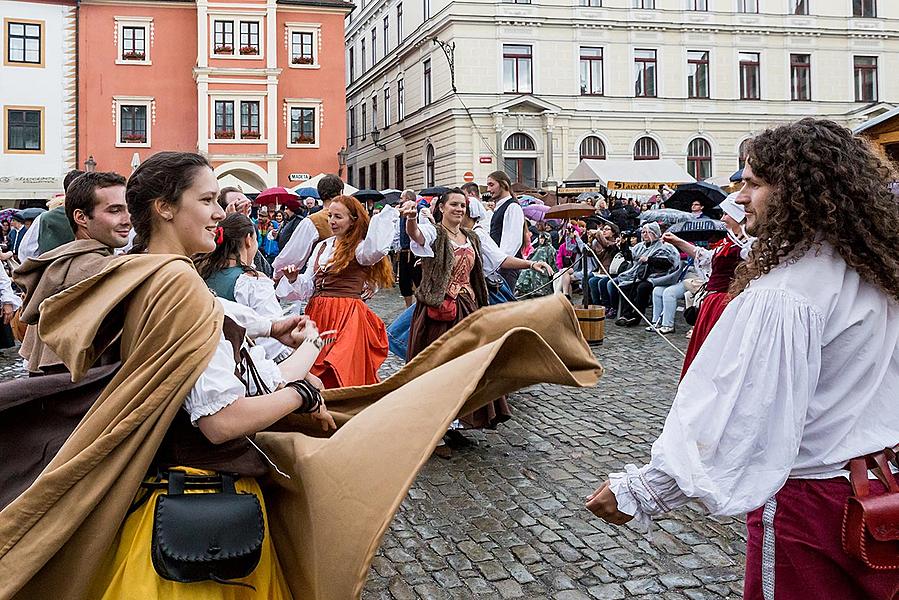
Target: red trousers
x=794 y=549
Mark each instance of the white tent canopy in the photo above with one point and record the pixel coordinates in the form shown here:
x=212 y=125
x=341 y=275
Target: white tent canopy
x=229 y=180
x=630 y=175
x=348 y=190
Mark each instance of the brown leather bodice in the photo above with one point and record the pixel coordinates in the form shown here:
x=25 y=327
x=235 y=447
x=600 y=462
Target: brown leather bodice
x=348 y=283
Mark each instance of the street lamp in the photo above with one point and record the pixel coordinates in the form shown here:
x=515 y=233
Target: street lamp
x=90 y=165
x=376 y=137
x=341 y=160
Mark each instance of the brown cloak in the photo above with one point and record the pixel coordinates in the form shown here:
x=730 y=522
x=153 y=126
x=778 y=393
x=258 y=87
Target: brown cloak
x=328 y=519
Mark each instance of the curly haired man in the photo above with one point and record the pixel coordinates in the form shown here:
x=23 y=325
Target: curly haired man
x=799 y=376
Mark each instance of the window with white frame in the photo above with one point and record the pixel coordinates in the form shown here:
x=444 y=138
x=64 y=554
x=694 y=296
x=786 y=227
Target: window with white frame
x=386 y=34
x=748 y=6
x=304 y=48
x=133 y=121
x=249 y=38
x=400 y=100
x=238 y=119
x=352 y=129
x=386 y=106
x=133 y=37
x=374 y=113
x=864 y=8
x=426 y=71
x=364 y=121
x=517 y=69
x=699 y=5
x=399 y=23
x=224 y=119
x=249 y=120
x=237 y=36
x=303 y=127
x=799 y=7
x=374 y=45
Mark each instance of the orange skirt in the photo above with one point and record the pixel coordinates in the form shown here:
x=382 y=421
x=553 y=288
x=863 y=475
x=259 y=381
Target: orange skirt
x=360 y=345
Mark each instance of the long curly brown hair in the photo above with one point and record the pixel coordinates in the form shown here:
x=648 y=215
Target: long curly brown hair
x=379 y=274
x=827 y=186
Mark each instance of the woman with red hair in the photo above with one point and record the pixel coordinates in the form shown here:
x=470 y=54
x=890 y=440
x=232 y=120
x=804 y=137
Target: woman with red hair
x=341 y=267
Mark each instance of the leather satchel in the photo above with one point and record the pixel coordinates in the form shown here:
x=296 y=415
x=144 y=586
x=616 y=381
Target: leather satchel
x=871 y=522
x=446 y=311
x=206 y=536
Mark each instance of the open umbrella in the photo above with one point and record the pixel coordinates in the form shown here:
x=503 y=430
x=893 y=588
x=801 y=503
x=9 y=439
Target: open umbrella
x=665 y=215
x=536 y=212
x=570 y=210
x=696 y=230
x=434 y=191
x=7 y=214
x=278 y=196
x=307 y=193
x=708 y=194
x=392 y=196
x=368 y=196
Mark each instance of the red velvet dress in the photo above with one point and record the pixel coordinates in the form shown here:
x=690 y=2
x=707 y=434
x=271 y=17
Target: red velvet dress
x=724 y=263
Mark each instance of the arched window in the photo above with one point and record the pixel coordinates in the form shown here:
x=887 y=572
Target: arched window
x=520 y=161
x=744 y=152
x=646 y=148
x=699 y=159
x=592 y=147
x=429 y=167
x=520 y=142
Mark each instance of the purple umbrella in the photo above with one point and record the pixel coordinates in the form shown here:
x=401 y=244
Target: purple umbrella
x=535 y=212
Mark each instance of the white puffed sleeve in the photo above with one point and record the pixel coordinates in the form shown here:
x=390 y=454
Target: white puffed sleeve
x=298 y=248
x=734 y=430
x=491 y=254
x=429 y=231
x=7 y=296
x=304 y=285
x=703 y=262
x=217 y=386
x=259 y=294
x=256 y=325
x=379 y=238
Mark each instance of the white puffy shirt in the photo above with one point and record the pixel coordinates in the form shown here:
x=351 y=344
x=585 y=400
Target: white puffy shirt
x=258 y=293
x=800 y=375
x=218 y=386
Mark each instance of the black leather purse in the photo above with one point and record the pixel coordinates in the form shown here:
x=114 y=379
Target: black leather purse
x=206 y=536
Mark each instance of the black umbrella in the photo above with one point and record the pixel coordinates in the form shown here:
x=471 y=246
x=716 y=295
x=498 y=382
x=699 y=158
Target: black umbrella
x=392 y=197
x=434 y=191
x=368 y=196
x=710 y=195
x=699 y=230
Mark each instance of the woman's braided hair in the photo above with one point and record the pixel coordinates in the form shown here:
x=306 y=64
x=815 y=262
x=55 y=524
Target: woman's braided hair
x=827 y=186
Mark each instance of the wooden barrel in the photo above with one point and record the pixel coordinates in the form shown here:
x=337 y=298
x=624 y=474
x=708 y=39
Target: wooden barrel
x=592 y=321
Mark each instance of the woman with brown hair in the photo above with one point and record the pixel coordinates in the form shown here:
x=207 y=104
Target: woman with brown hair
x=452 y=284
x=342 y=267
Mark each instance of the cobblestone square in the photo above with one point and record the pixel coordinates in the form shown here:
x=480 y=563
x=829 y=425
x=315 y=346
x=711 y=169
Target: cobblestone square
x=504 y=517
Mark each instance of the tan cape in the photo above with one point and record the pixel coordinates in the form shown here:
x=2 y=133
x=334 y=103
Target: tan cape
x=328 y=519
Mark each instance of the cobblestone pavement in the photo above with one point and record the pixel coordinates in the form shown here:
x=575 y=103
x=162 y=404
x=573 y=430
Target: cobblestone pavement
x=504 y=518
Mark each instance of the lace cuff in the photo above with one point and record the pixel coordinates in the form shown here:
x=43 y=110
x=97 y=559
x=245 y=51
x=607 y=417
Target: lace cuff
x=645 y=492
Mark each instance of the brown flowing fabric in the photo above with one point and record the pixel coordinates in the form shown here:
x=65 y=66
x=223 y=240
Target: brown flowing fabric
x=328 y=519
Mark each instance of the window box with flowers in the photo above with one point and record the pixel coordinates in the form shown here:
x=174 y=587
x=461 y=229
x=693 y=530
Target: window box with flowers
x=302 y=139
x=250 y=134
x=249 y=51
x=134 y=138
x=224 y=50
x=303 y=60
x=134 y=55
x=224 y=134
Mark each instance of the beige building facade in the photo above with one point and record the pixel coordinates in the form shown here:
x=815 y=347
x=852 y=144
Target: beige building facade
x=540 y=85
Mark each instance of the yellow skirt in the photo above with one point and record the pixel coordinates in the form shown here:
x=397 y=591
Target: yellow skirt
x=127 y=572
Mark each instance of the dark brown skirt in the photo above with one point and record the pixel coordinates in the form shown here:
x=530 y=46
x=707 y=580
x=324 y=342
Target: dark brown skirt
x=425 y=330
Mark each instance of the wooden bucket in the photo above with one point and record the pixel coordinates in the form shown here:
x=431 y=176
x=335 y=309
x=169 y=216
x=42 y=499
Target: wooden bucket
x=592 y=321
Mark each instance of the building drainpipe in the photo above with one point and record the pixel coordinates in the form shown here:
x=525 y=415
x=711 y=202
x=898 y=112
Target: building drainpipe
x=77 y=83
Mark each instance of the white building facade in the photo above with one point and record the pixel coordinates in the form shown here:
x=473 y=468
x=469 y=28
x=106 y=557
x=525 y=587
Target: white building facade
x=541 y=84
x=38 y=95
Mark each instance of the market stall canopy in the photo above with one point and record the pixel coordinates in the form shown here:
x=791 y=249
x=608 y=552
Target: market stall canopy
x=229 y=180
x=348 y=190
x=627 y=175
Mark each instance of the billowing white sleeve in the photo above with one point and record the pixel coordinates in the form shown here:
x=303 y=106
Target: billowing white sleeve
x=491 y=254
x=513 y=230
x=298 y=248
x=29 y=246
x=304 y=285
x=259 y=294
x=256 y=325
x=733 y=432
x=7 y=295
x=219 y=387
x=379 y=238
x=429 y=231
x=702 y=261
